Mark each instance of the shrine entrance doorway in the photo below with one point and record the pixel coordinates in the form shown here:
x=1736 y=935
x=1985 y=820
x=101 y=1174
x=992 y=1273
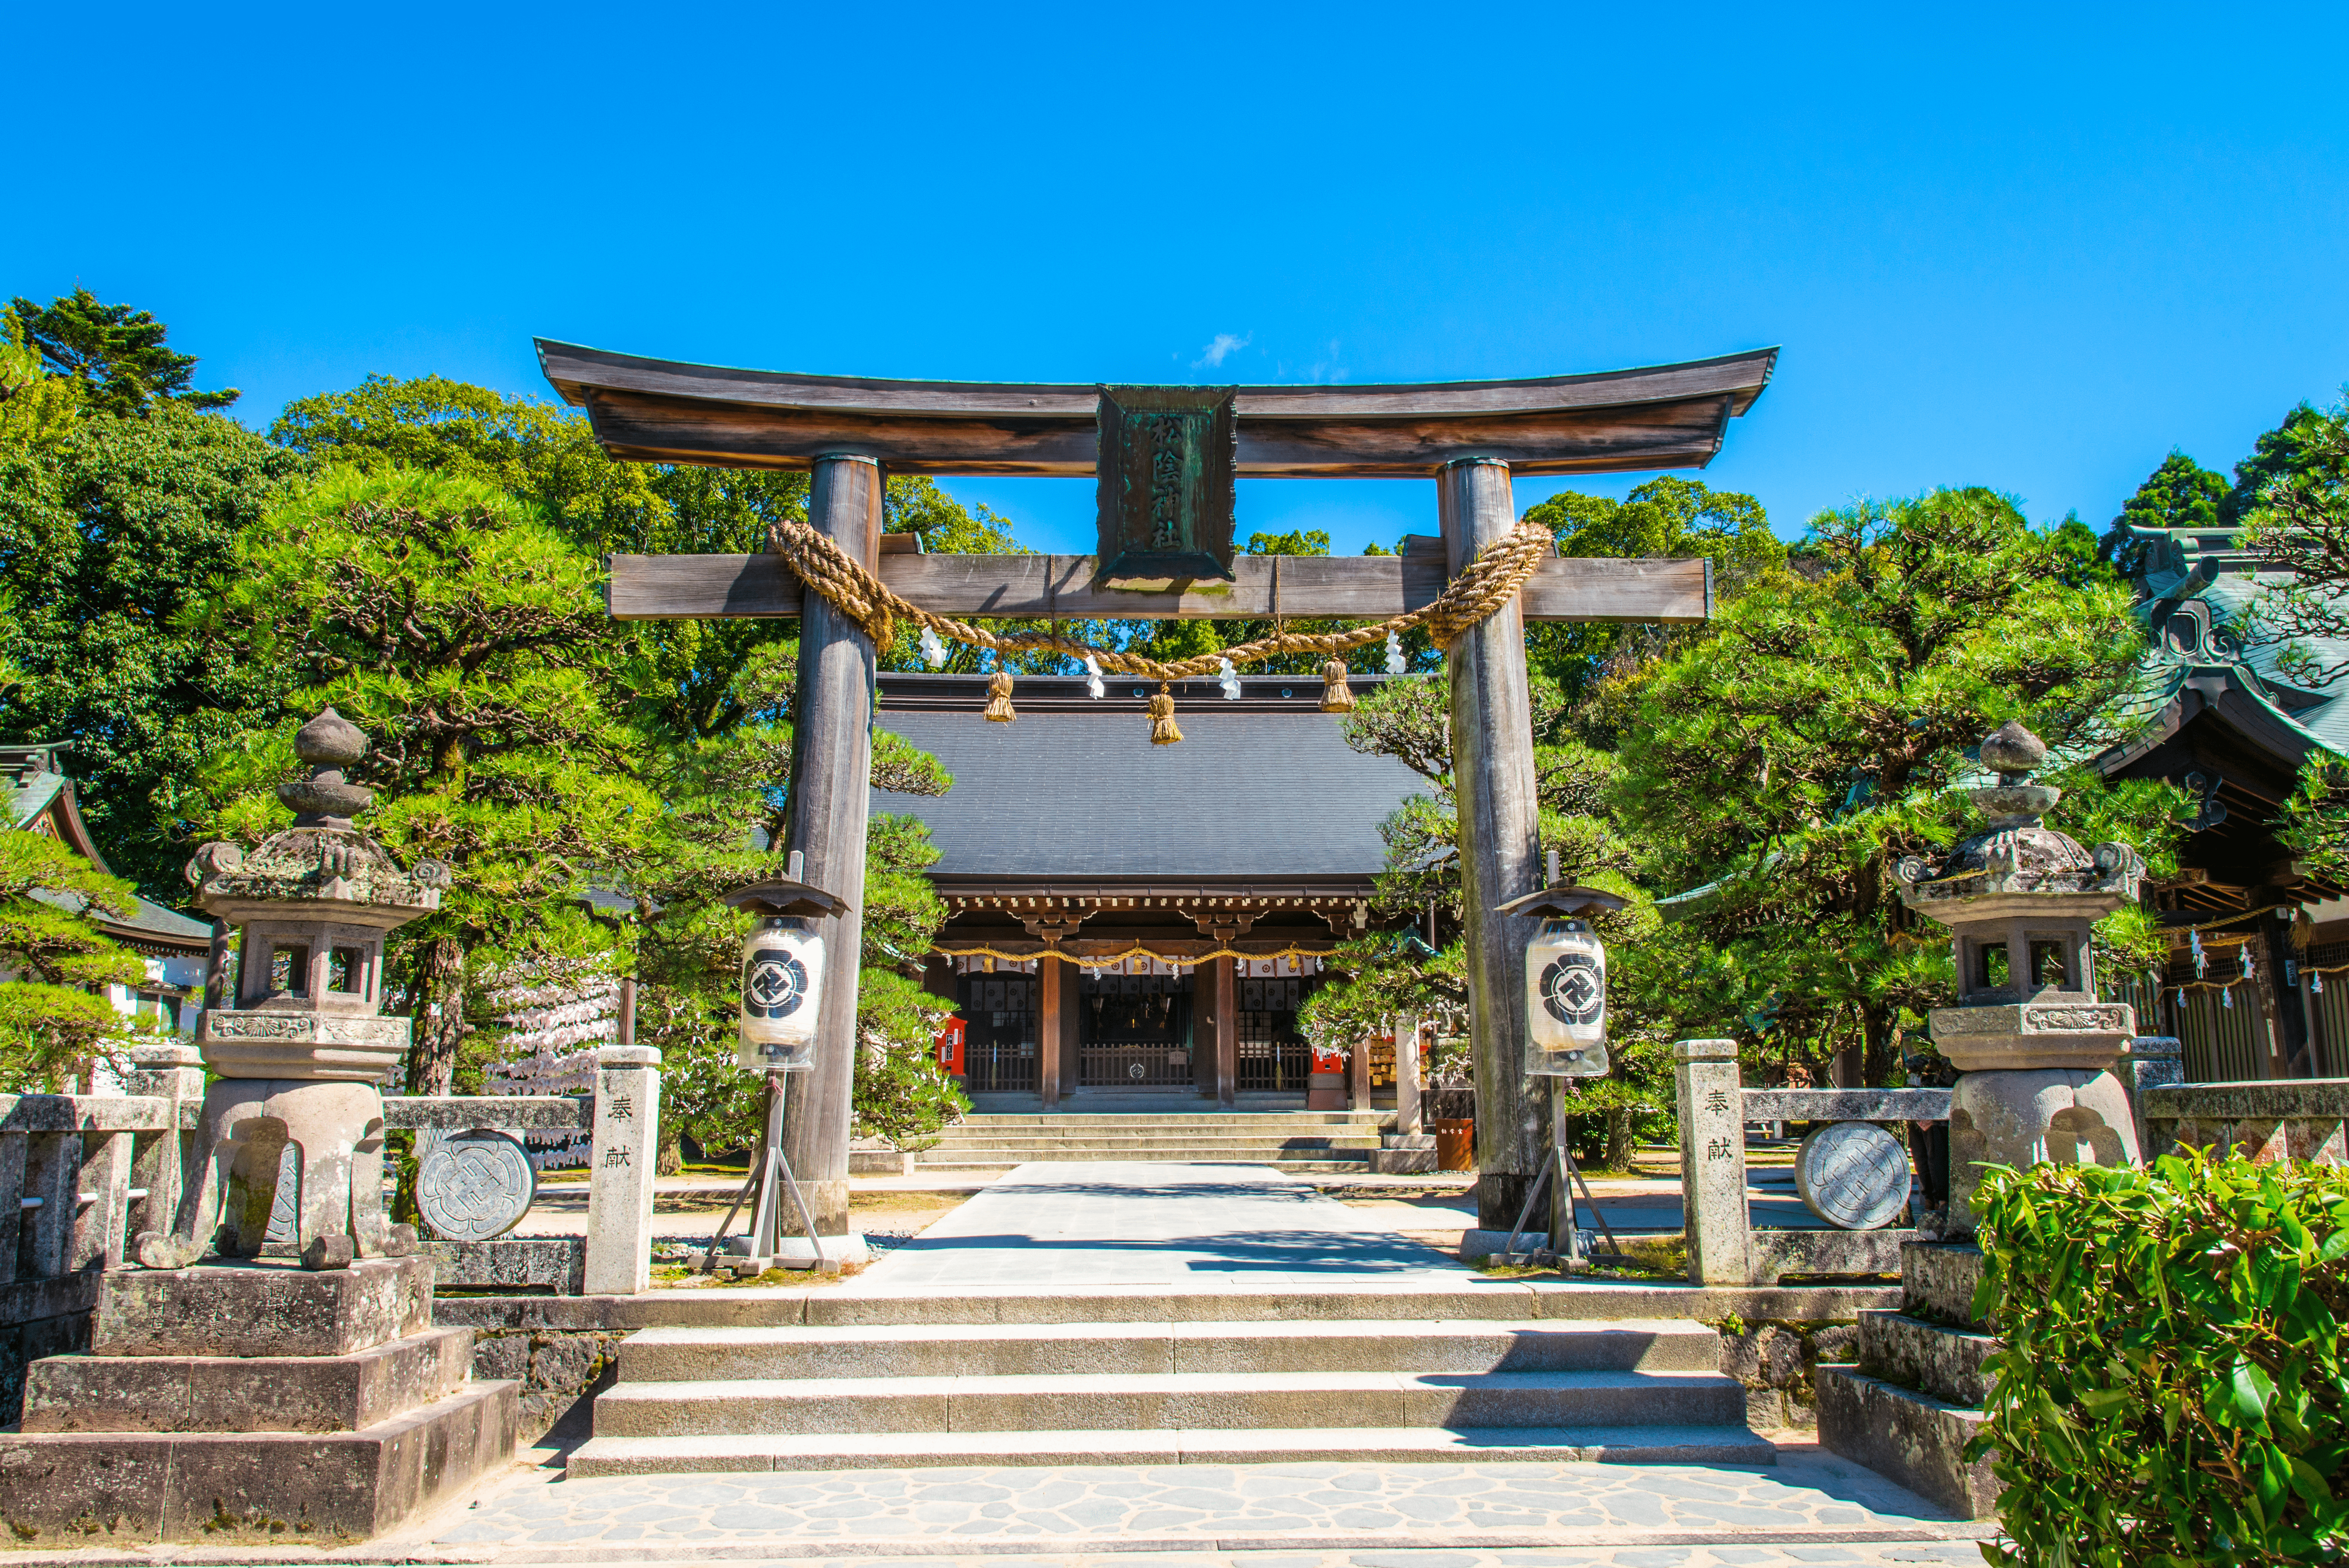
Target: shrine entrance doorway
x=1002 y=1022
x=1133 y=1031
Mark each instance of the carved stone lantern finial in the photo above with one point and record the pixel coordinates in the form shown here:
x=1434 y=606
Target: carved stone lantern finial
x=2030 y=1036
x=329 y=743
x=300 y=1055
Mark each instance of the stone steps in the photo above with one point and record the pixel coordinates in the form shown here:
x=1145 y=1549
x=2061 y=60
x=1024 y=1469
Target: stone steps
x=1729 y=1444
x=1910 y=1405
x=1287 y=1166
x=1127 y=1401
x=1032 y=1378
x=1298 y=1142
x=663 y=1356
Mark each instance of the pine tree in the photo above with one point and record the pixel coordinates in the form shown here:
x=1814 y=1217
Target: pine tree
x=468 y=639
x=51 y=955
x=2180 y=494
x=1783 y=763
x=117 y=352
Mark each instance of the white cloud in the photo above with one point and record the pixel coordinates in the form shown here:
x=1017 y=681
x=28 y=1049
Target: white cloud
x=1222 y=348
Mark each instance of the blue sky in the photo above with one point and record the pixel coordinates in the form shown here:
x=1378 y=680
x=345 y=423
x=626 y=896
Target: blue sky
x=2032 y=248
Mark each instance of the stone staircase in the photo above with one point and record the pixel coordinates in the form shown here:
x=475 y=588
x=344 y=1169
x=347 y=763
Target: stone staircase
x=1238 y=1377
x=1299 y=1141
x=1914 y=1400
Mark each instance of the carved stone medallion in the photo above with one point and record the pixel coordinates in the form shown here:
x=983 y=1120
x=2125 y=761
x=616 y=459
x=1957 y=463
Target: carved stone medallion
x=475 y=1185
x=1853 y=1174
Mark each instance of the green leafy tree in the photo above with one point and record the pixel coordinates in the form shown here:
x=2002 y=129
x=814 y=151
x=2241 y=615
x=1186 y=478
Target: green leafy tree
x=51 y=956
x=1780 y=765
x=468 y=638
x=706 y=704
x=117 y=352
x=2180 y=494
x=36 y=407
x=1574 y=783
x=2304 y=444
x=2301 y=524
x=539 y=453
x=106 y=534
x=1667 y=517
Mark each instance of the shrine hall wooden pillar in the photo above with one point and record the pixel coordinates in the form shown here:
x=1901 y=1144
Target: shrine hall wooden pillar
x=1219 y=1008
x=831 y=766
x=1493 y=763
x=1055 y=1017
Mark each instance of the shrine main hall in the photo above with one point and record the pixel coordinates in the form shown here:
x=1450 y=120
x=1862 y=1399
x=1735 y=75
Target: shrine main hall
x=1067 y=833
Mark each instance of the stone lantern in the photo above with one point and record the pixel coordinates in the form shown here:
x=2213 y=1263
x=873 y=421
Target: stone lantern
x=2029 y=1036
x=300 y=1056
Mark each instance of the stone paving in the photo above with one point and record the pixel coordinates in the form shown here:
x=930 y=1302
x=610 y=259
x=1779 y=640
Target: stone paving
x=1055 y=1224
x=1808 y=1502
x=1952 y=1554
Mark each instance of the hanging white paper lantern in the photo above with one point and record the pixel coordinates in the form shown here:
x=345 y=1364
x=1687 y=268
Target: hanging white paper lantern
x=1565 y=1001
x=783 y=992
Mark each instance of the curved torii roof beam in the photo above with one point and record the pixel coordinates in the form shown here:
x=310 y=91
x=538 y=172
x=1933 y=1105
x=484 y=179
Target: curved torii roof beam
x=662 y=411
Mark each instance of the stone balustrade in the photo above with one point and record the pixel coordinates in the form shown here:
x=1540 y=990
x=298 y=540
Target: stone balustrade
x=1724 y=1247
x=622 y=1119
x=2286 y=1119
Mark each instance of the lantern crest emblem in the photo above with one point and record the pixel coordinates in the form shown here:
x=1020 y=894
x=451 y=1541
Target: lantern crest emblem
x=774 y=982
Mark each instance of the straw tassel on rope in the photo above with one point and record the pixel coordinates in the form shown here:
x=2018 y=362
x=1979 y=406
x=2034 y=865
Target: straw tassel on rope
x=1335 y=696
x=999 y=698
x=1162 y=719
x=1489 y=581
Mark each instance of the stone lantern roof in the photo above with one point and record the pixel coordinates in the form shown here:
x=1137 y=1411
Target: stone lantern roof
x=2016 y=853
x=2020 y=901
x=322 y=866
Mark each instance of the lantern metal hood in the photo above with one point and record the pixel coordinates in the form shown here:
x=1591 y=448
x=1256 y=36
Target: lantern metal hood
x=782 y=972
x=1565 y=981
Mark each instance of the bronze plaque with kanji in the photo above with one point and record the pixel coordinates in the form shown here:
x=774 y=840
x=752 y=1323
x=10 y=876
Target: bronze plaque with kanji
x=1167 y=460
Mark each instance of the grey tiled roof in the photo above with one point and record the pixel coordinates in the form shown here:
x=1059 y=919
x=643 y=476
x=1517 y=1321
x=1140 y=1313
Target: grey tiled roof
x=1260 y=789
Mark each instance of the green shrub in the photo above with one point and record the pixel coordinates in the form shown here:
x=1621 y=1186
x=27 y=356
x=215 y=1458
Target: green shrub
x=2172 y=1390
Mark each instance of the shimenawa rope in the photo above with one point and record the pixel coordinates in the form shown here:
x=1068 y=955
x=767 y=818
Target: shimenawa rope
x=1487 y=582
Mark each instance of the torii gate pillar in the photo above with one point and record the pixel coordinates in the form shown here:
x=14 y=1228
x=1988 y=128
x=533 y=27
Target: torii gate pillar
x=832 y=769
x=1500 y=827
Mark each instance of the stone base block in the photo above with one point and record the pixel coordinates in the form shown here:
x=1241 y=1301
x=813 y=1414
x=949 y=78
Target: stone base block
x=261 y=1309
x=285 y=1489
x=1947 y=1363
x=1773 y=1253
x=1906 y=1437
x=1404 y=1162
x=246 y=1394
x=554 y=1264
x=1938 y=1279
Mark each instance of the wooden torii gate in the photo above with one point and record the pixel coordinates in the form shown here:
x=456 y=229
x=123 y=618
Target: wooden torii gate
x=1470 y=437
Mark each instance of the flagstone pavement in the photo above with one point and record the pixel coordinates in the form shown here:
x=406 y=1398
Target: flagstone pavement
x=1811 y=1508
